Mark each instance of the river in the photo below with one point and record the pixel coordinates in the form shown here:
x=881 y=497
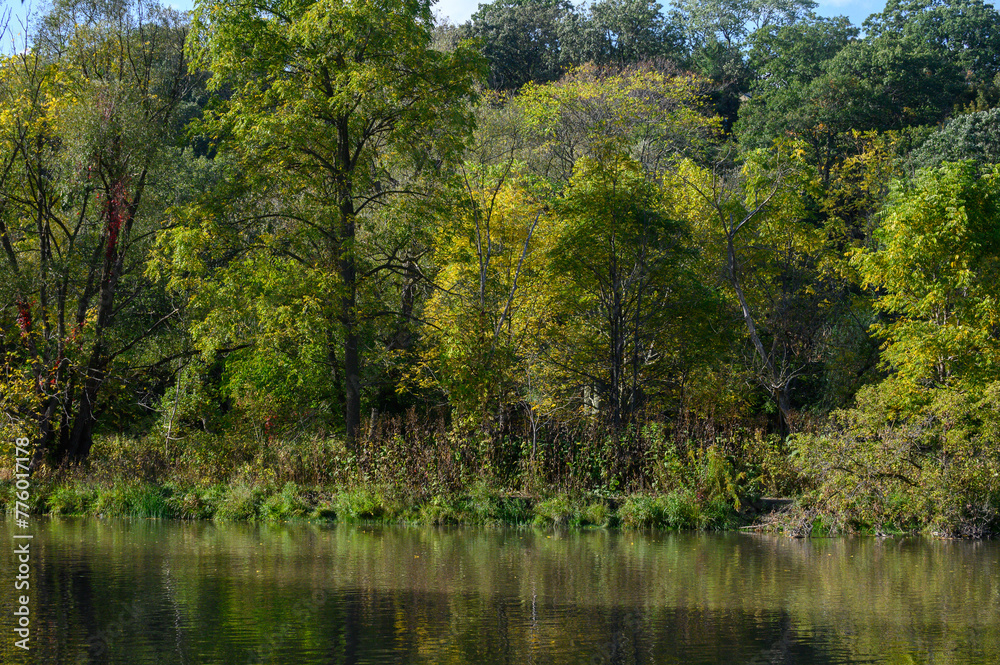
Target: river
x=162 y=592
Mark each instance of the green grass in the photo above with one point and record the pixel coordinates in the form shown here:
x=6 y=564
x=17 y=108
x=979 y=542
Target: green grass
x=243 y=501
x=232 y=479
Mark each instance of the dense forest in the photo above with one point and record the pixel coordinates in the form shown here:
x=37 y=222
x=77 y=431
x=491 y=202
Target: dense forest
x=614 y=262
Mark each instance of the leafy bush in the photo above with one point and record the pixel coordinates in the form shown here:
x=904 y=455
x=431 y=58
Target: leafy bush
x=361 y=503
x=71 y=499
x=286 y=504
x=675 y=510
x=935 y=466
x=598 y=513
x=555 y=511
x=239 y=503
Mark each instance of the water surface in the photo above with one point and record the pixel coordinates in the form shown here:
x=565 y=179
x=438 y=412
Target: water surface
x=163 y=592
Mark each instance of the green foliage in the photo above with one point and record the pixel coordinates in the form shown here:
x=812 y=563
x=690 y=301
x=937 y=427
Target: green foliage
x=974 y=136
x=598 y=513
x=642 y=112
x=330 y=102
x=935 y=468
x=490 y=310
x=819 y=84
x=239 y=501
x=791 y=63
x=362 y=504
x=88 y=146
x=620 y=33
x=471 y=286
x=936 y=269
x=675 y=510
x=965 y=31
x=562 y=510
x=482 y=506
x=732 y=21
x=128 y=498
x=77 y=498
x=717 y=479
x=761 y=247
x=194 y=502
x=625 y=273
x=554 y=511
x=284 y=505
x=521 y=40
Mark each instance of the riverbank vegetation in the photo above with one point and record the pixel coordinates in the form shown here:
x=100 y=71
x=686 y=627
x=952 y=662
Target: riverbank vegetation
x=611 y=264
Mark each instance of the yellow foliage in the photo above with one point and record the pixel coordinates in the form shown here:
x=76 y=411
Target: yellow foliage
x=493 y=299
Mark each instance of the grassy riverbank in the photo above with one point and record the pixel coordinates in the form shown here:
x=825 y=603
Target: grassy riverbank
x=694 y=476
x=479 y=505
x=644 y=480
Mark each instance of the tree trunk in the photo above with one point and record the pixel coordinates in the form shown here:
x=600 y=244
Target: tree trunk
x=777 y=385
x=348 y=304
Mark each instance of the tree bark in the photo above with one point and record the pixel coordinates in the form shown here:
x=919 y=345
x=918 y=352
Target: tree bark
x=348 y=275
x=777 y=385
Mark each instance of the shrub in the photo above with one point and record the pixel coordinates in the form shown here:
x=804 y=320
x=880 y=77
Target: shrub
x=675 y=510
x=239 y=503
x=932 y=466
x=71 y=499
x=361 y=503
x=555 y=511
x=286 y=504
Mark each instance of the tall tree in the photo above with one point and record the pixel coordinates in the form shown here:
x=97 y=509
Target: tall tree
x=881 y=83
x=331 y=101
x=491 y=298
x=732 y=21
x=89 y=109
x=627 y=280
x=966 y=32
x=649 y=114
x=521 y=40
x=754 y=223
x=717 y=35
x=621 y=33
x=936 y=269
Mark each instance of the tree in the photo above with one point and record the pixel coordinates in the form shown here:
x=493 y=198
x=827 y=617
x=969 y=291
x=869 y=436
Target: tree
x=333 y=102
x=717 y=39
x=920 y=446
x=492 y=299
x=935 y=271
x=629 y=291
x=488 y=308
x=732 y=21
x=88 y=110
x=521 y=40
x=883 y=83
x=966 y=32
x=974 y=136
x=650 y=115
x=754 y=220
x=782 y=55
x=792 y=92
x=620 y=33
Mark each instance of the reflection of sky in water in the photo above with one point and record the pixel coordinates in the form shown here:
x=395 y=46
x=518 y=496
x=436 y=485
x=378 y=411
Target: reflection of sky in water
x=461 y=10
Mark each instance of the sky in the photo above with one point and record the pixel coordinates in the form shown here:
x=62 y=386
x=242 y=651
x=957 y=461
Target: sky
x=857 y=10
x=460 y=10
